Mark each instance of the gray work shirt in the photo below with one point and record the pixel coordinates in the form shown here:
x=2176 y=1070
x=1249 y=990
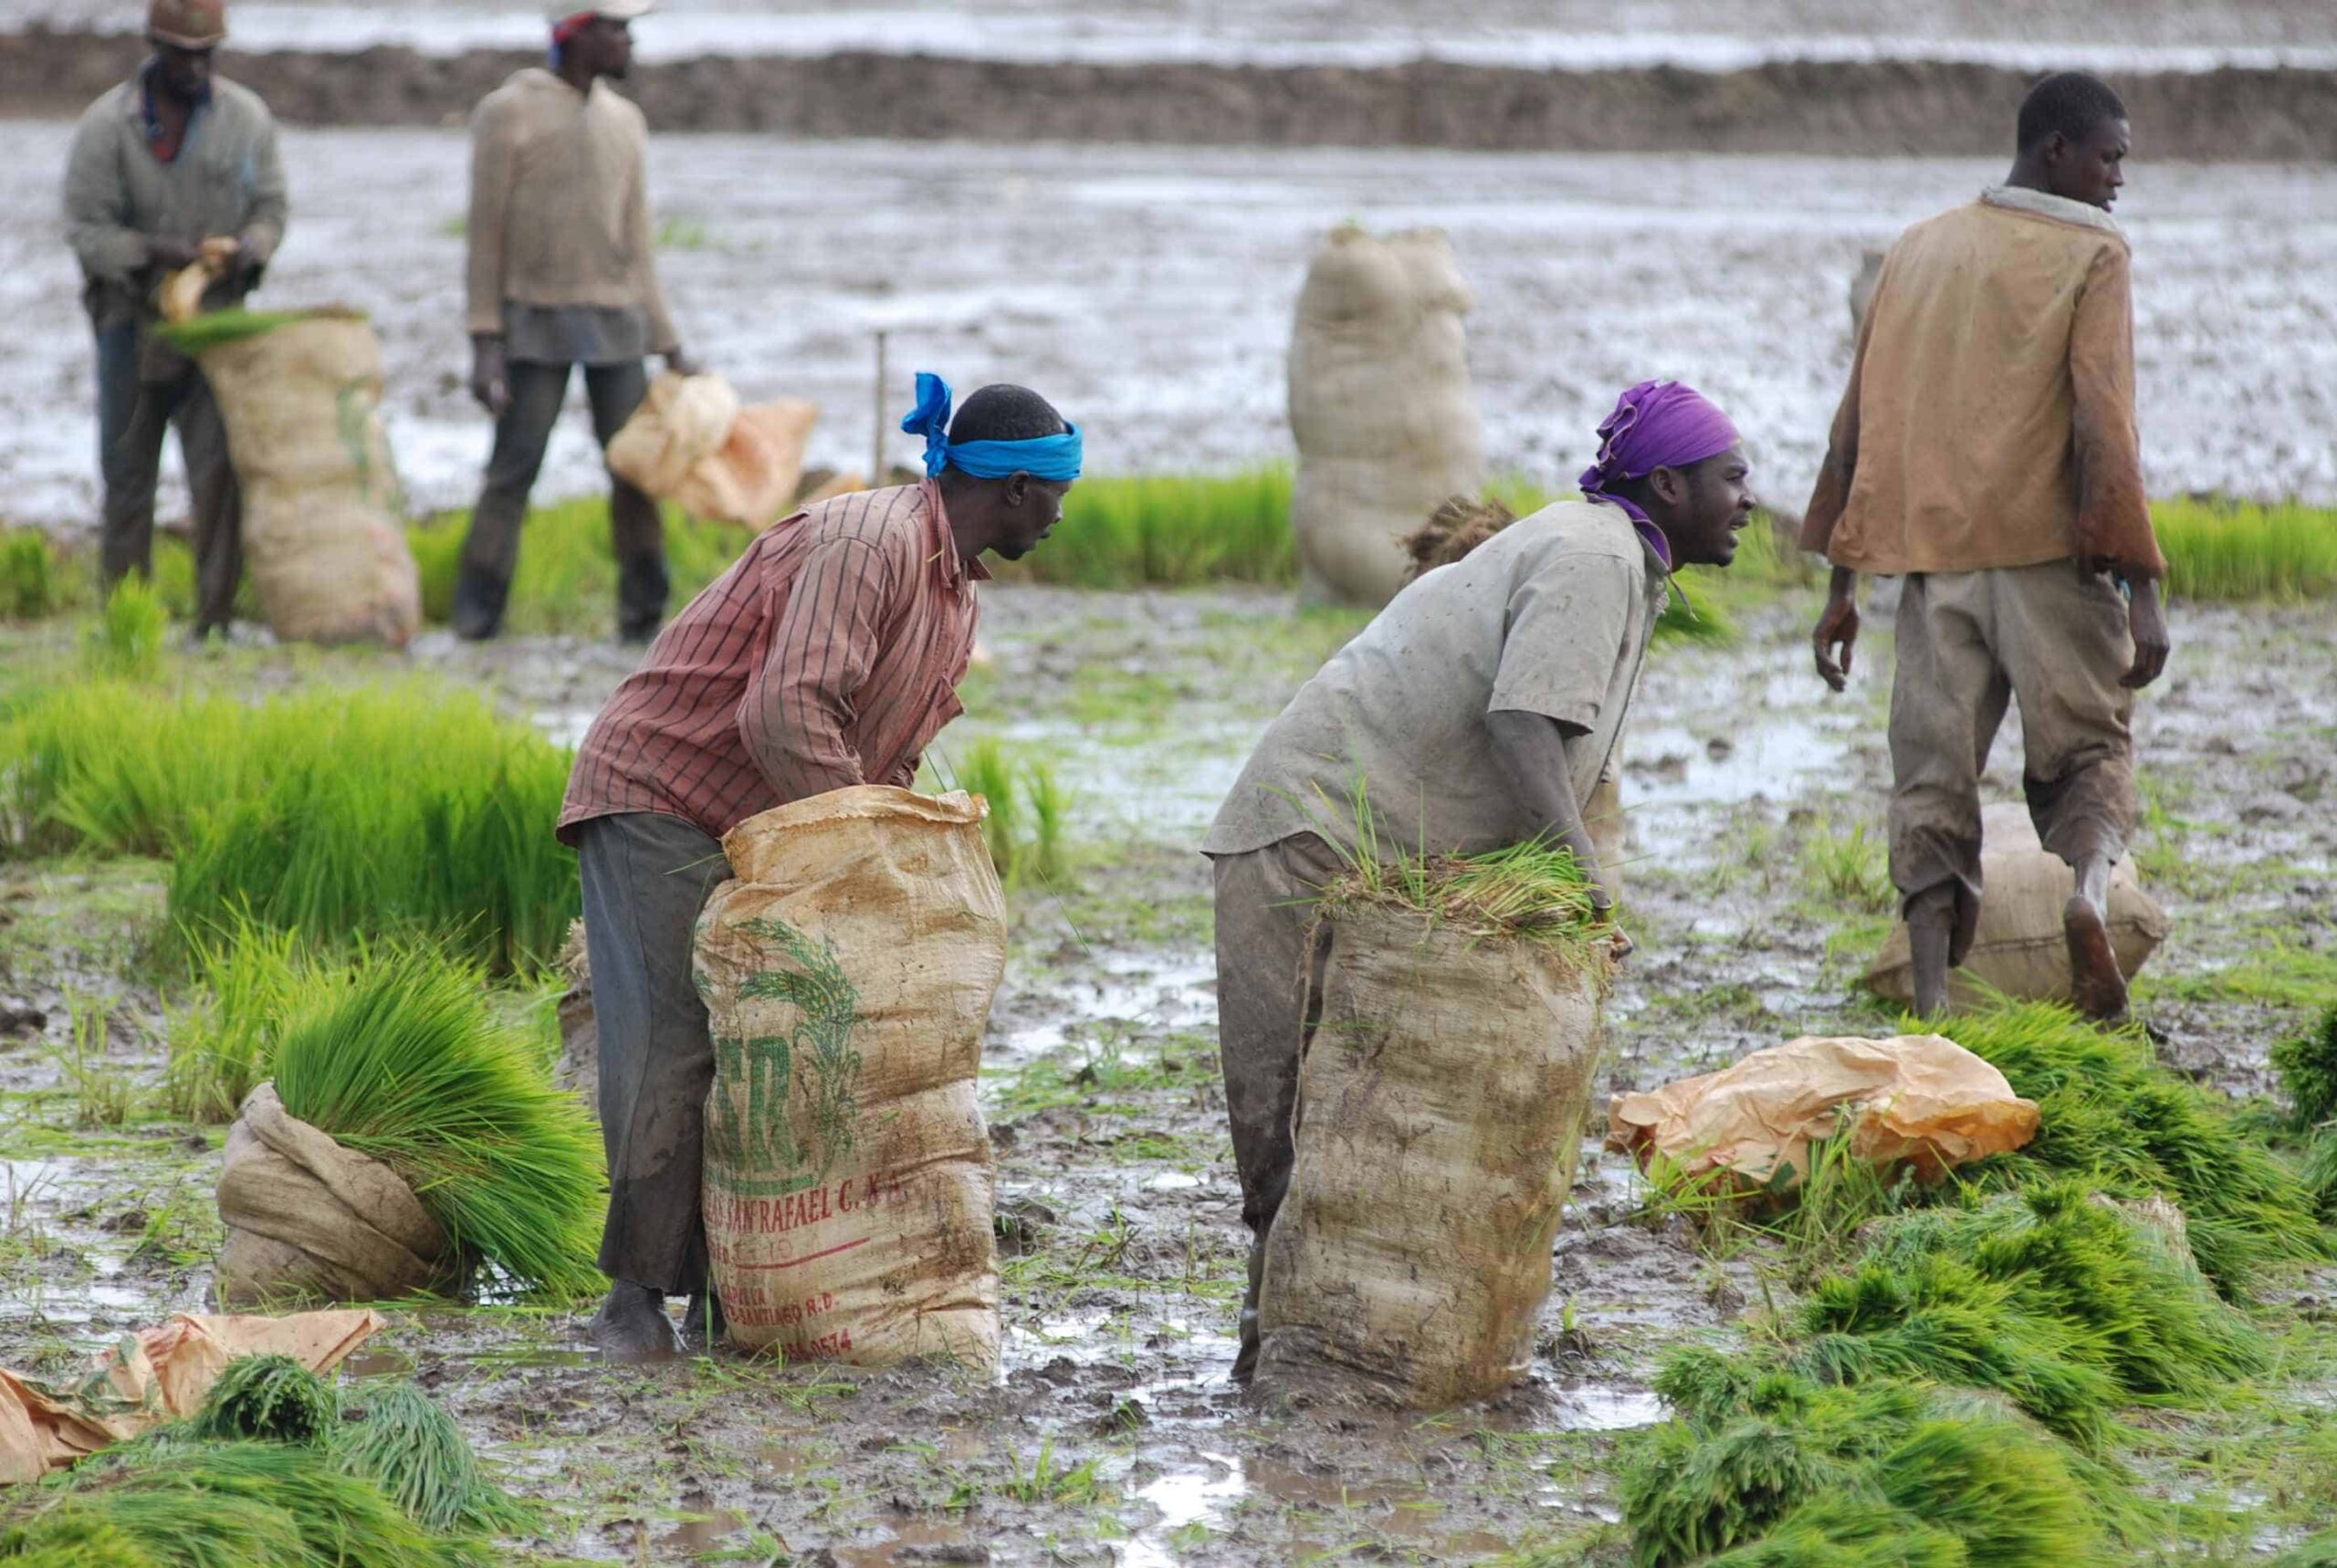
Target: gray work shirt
x=1552 y=615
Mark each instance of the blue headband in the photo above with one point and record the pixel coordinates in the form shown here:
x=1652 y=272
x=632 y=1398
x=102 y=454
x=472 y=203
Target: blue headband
x=1041 y=457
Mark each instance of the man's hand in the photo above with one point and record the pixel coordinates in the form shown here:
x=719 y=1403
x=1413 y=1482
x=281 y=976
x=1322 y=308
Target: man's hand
x=490 y=376
x=2147 y=623
x=171 y=253
x=680 y=360
x=1838 y=630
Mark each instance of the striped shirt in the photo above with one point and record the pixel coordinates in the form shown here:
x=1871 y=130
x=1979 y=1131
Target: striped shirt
x=828 y=655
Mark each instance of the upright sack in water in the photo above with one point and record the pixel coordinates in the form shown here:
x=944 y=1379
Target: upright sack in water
x=848 y=973
x=1380 y=407
x=2018 y=946
x=324 y=531
x=1441 y=1105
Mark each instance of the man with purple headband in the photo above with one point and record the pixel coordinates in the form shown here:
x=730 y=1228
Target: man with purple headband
x=1986 y=453
x=1475 y=712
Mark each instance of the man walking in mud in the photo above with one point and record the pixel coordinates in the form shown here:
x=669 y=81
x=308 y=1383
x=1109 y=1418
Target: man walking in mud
x=1985 y=450
x=175 y=165
x=1476 y=711
x=828 y=657
x=563 y=272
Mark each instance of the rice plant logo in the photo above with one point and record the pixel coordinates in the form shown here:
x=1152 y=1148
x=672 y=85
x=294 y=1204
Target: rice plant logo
x=820 y=1046
x=353 y=418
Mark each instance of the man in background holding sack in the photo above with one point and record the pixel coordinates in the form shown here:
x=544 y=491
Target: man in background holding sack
x=173 y=166
x=1985 y=450
x=1475 y=712
x=563 y=272
x=827 y=656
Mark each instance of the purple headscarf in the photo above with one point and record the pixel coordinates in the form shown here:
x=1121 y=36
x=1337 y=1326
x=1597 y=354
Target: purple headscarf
x=1656 y=425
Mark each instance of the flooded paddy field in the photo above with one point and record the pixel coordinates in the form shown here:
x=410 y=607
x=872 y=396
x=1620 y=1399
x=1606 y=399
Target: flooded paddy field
x=1114 y=1434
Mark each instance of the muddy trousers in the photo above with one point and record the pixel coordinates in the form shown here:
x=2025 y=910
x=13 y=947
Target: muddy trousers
x=2053 y=636
x=491 y=549
x=1270 y=959
x=133 y=417
x=645 y=878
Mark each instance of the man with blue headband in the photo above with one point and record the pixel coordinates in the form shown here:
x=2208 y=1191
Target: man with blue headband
x=828 y=655
x=1477 y=711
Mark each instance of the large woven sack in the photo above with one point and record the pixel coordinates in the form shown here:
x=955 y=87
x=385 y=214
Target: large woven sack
x=1440 y=1115
x=691 y=443
x=323 y=523
x=578 y=1071
x=2017 y=946
x=848 y=973
x=310 y=1220
x=1380 y=407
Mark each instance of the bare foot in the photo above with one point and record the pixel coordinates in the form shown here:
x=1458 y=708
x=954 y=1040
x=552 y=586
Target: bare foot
x=2095 y=984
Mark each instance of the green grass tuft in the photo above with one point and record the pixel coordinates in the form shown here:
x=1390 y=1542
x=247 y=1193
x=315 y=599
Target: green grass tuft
x=401 y=1057
x=2114 y=1118
x=270 y=1397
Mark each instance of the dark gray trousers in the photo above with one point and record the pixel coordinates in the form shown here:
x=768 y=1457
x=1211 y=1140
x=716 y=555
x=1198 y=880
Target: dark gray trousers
x=134 y=417
x=645 y=878
x=491 y=549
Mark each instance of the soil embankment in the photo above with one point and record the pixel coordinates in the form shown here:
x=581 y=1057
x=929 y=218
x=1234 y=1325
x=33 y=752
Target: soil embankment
x=1883 y=107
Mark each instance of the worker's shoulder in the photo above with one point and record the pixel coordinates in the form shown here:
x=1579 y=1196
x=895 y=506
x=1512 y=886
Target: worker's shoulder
x=240 y=103
x=892 y=520
x=1575 y=532
x=527 y=86
x=114 y=105
x=2034 y=218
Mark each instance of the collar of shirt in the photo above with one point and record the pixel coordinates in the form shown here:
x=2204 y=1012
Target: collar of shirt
x=2045 y=205
x=157 y=140
x=956 y=570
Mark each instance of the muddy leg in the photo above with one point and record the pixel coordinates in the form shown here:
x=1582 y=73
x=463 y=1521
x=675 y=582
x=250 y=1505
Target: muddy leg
x=1269 y=969
x=1931 y=928
x=491 y=547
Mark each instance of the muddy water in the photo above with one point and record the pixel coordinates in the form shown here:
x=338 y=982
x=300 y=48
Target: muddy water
x=1113 y=1433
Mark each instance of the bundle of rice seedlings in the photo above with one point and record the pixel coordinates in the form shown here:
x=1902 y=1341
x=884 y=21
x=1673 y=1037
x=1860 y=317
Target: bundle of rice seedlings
x=1776 y=1468
x=126 y=643
x=185 y=1504
x=402 y=1058
x=2113 y=1118
x=400 y=1438
x=1025 y=828
x=2308 y=1070
x=2234 y=550
x=208 y=330
x=33 y=579
x=272 y=1397
x=223 y=1043
x=1169 y=530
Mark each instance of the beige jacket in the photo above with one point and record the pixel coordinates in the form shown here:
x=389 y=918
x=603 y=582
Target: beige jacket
x=560 y=207
x=1989 y=419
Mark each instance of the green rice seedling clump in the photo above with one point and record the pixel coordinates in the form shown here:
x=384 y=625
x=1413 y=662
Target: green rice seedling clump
x=269 y=1396
x=222 y=1044
x=2308 y=1069
x=1767 y=1466
x=126 y=643
x=566 y=582
x=2235 y=550
x=1025 y=825
x=1170 y=532
x=190 y=1504
x=33 y=578
x=401 y=1057
x=402 y=1441
x=212 y=327
x=2119 y=1123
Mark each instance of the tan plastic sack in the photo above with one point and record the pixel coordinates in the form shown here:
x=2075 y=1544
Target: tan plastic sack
x=307 y=1219
x=2017 y=946
x=691 y=443
x=1380 y=407
x=323 y=526
x=849 y=1181
x=1441 y=1107
x=1917 y=1097
x=154 y=1375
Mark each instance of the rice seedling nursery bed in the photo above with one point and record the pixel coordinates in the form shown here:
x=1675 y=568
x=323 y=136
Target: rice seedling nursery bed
x=158 y=891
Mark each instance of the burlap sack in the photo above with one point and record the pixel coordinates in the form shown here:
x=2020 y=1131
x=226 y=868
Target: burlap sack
x=1440 y=1116
x=691 y=443
x=1918 y=1098
x=2017 y=946
x=1380 y=407
x=578 y=1068
x=307 y=1219
x=323 y=527
x=848 y=972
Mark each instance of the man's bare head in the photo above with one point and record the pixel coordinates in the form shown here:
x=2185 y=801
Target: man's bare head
x=2073 y=138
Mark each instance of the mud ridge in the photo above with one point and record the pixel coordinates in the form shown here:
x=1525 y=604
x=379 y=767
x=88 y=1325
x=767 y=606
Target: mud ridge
x=1839 y=108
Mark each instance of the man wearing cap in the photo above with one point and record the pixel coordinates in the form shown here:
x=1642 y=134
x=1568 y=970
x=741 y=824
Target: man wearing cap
x=1986 y=452
x=171 y=165
x=828 y=655
x=1475 y=712
x=563 y=273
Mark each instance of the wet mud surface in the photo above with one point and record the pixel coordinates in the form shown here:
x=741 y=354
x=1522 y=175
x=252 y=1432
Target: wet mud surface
x=1148 y=291
x=1113 y=1434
